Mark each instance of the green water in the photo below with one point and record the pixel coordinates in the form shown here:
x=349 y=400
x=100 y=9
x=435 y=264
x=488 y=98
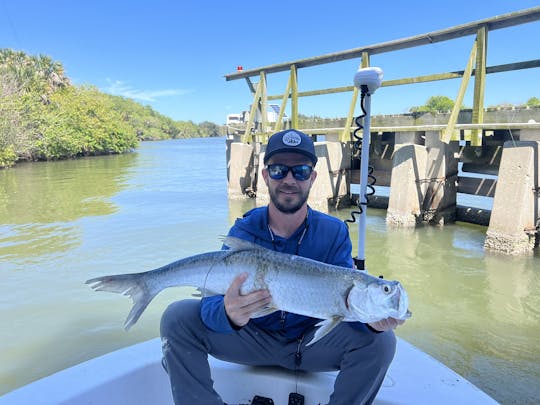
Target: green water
x=62 y=223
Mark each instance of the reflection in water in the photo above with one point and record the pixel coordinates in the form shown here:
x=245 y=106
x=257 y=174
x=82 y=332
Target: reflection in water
x=237 y=208
x=62 y=223
x=36 y=241
x=63 y=191
x=40 y=203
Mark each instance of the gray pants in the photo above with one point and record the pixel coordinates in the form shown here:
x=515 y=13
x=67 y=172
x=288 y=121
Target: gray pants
x=362 y=357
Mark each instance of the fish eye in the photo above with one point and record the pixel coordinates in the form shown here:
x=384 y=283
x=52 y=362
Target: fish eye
x=386 y=289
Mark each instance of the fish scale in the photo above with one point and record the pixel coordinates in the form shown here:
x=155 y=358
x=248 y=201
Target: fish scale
x=297 y=284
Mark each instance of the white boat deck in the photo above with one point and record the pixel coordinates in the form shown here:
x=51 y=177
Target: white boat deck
x=134 y=375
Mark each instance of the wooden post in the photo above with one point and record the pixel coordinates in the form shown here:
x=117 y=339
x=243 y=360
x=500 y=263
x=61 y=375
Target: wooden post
x=263 y=103
x=447 y=134
x=294 y=98
x=479 y=85
x=246 y=138
x=286 y=95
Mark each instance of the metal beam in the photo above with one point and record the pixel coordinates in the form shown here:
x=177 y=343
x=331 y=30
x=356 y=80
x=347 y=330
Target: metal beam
x=294 y=97
x=479 y=84
x=530 y=64
x=493 y=23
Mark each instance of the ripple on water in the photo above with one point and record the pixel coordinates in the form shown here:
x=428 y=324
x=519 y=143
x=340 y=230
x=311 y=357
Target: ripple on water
x=31 y=243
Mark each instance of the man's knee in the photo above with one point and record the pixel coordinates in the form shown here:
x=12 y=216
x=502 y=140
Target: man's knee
x=377 y=349
x=178 y=315
x=385 y=346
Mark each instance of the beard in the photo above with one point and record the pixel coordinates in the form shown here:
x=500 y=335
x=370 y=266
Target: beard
x=288 y=204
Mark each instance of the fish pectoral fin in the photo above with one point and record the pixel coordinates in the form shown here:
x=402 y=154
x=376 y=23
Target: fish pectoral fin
x=264 y=312
x=325 y=327
x=204 y=292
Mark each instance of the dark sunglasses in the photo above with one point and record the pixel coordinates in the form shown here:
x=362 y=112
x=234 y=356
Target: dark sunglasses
x=299 y=172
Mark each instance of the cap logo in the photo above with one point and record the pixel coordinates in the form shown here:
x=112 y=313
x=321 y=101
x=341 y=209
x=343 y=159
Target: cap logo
x=291 y=139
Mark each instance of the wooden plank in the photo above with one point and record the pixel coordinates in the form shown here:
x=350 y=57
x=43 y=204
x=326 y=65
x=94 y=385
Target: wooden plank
x=473 y=215
x=419 y=79
x=434 y=127
x=477 y=186
x=383 y=177
x=493 y=23
x=250 y=85
x=488 y=155
x=480 y=168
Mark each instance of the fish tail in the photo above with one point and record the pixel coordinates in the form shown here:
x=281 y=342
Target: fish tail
x=131 y=285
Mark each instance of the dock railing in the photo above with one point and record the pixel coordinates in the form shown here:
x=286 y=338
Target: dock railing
x=475 y=66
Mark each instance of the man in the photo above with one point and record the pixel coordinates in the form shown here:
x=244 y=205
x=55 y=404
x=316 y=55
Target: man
x=222 y=325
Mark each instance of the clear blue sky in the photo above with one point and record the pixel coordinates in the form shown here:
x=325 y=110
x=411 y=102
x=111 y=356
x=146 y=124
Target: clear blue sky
x=173 y=55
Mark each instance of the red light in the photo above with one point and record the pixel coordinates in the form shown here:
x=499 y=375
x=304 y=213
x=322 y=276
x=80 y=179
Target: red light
x=239 y=68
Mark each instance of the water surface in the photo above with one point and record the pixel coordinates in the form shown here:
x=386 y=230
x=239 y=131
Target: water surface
x=62 y=223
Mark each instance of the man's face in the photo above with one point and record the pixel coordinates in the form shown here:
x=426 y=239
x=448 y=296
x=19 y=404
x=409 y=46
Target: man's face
x=289 y=194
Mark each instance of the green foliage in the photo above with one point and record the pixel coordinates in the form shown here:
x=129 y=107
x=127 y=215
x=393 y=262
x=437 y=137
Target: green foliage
x=81 y=121
x=147 y=123
x=436 y=104
x=32 y=74
x=533 y=102
x=8 y=157
x=43 y=116
x=208 y=128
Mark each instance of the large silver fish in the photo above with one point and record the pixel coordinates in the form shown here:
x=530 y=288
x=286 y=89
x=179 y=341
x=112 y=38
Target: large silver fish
x=296 y=284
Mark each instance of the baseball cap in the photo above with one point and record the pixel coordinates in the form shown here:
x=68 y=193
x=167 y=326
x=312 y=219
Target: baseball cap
x=293 y=141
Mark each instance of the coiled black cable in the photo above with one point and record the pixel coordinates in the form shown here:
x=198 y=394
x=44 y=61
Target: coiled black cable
x=357 y=152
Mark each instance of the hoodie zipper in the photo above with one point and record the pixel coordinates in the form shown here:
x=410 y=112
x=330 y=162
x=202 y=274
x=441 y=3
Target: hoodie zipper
x=298 y=354
x=273 y=239
x=283 y=316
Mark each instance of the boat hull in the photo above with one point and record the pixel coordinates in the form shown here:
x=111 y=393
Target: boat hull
x=134 y=375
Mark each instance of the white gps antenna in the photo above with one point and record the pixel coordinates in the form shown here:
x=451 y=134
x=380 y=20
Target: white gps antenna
x=367 y=80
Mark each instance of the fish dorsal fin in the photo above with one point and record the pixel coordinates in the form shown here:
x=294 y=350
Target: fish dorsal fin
x=240 y=244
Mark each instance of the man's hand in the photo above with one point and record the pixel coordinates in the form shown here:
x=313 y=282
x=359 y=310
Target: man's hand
x=386 y=324
x=238 y=307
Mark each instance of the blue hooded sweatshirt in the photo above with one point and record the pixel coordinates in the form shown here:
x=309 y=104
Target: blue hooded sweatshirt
x=321 y=237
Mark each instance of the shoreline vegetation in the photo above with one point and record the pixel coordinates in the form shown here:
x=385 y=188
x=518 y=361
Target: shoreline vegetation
x=43 y=116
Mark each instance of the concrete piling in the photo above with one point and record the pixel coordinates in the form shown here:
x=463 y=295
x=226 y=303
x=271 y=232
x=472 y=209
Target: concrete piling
x=515 y=215
x=406 y=191
x=422 y=172
x=240 y=170
x=423 y=185
x=439 y=205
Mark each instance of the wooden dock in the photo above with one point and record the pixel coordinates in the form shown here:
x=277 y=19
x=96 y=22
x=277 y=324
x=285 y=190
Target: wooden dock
x=424 y=163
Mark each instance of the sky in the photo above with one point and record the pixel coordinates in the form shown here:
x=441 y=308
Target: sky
x=173 y=55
